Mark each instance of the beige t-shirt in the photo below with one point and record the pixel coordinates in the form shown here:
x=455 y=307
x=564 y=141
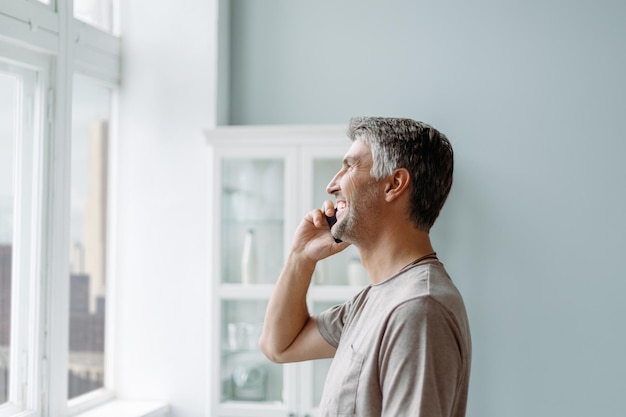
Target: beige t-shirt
x=403 y=349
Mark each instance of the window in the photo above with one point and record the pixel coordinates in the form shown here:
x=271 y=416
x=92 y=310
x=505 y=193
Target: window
x=98 y=13
x=58 y=76
x=8 y=107
x=20 y=176
x=88 y=234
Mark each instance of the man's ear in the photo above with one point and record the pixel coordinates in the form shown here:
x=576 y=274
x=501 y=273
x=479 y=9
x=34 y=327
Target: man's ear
x=397 y=184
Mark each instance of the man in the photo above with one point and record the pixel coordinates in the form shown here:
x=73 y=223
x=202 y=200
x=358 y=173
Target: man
x=401 y=347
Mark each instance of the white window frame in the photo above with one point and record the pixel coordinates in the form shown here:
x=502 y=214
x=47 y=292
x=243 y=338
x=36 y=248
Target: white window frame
x=53 y=44
x=26 y=300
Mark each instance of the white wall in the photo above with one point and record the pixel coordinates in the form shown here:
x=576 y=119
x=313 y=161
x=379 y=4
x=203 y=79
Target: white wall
x=531 y=93
x=167 y=99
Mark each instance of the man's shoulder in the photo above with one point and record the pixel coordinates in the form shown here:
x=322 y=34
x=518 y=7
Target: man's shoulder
x=418 y=281
x=423 y=288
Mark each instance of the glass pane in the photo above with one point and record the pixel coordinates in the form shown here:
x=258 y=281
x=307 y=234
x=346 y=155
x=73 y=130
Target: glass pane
x=344 y=268
x=88 y=233
x=98 y=13
x=252 y=220
x=8 y=132
x=246 y=375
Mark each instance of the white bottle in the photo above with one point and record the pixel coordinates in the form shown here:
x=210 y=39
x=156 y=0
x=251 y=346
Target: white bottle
x=249 y=265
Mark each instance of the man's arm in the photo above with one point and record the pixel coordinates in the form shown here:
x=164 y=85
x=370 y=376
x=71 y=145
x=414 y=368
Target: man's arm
x=290 y=334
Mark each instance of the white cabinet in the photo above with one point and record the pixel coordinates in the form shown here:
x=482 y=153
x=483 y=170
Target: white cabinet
x=262 y=181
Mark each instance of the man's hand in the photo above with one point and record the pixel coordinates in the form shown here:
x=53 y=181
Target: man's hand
x=313 y=239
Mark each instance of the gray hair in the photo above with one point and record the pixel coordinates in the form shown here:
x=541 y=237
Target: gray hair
x=421 y=149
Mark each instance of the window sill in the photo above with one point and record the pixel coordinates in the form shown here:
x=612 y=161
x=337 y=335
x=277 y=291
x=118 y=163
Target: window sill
x=120 y=408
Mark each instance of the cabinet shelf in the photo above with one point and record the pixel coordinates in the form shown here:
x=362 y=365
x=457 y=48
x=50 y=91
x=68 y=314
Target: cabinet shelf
x=245 y=291
x=227 y=350
x=232 y=408
x=252 y=222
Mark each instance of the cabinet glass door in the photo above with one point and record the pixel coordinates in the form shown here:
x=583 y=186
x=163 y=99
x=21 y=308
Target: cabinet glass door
x=252 y=220
x=251 y=248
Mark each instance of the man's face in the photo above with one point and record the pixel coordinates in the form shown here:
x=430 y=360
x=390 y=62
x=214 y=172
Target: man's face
x=356 y=194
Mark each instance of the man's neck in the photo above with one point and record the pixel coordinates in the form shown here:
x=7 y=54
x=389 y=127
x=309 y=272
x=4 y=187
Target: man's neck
x=391 y=252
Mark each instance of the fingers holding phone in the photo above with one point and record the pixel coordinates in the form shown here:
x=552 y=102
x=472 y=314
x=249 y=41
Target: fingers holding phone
x=313 y=237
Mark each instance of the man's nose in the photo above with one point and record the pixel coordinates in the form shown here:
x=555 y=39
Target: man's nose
x=333 y=185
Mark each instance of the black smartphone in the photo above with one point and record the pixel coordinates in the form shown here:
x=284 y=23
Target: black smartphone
x=332 y=220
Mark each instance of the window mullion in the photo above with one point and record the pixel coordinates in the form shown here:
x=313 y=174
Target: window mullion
x=57 y=242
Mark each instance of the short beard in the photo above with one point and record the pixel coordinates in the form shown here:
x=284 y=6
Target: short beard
x=353 y=225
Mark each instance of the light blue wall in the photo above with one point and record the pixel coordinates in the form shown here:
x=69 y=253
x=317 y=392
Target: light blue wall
x=532 y=94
